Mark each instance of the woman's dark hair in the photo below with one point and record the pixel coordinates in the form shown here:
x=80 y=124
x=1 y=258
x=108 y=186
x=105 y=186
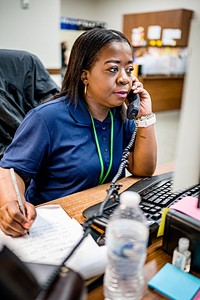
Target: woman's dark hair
x=83 y=56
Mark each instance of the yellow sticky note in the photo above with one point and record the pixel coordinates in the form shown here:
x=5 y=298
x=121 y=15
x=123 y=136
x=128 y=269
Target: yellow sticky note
x=162 y=223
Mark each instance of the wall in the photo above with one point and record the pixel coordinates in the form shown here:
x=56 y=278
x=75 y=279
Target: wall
x=112 y=11
x=36 y=29
x=80 y=9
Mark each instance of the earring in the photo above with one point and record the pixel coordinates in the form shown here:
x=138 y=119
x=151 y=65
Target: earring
x=85 y=89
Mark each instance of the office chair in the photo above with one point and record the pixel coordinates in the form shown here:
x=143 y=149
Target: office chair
x=24 y=83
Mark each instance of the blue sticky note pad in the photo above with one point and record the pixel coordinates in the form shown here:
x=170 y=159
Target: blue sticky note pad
x=174 y=283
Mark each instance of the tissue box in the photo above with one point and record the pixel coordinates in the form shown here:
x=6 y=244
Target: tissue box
x=179 y=225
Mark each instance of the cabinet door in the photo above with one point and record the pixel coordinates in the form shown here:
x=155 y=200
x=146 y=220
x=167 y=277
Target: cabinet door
x=166 y=92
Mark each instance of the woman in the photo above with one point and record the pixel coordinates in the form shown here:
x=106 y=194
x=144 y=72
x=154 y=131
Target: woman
x=76 y=141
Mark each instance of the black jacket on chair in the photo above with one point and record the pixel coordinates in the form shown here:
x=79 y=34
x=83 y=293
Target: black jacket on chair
x=24 y=83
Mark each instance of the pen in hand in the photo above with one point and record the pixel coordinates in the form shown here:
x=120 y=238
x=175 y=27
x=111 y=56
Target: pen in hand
x=19 y=199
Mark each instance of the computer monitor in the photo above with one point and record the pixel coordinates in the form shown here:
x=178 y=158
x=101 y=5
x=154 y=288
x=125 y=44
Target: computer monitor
x=187 y=159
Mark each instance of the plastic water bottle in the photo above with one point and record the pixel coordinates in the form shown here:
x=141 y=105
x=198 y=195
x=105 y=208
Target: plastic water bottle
x=126 y=238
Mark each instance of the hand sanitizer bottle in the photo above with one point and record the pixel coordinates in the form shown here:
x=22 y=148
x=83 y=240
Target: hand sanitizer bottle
x=182 y=255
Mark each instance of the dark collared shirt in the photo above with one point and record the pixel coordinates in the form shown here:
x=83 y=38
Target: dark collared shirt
x=55 y=148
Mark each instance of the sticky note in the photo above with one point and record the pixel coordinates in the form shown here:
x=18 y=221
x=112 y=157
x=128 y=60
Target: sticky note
x=188 y=206
x=162 y=222
x=175 y=284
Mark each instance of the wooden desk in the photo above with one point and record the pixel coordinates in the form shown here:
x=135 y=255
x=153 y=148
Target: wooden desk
x=76 y=203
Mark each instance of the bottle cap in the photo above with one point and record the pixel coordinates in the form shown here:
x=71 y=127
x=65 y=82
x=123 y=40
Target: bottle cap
x=130 y=199
x=183 y=243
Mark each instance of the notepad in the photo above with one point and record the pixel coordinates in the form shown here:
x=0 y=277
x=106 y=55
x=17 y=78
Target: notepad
x=52 y=237
x=188 y=206
x=174 y=283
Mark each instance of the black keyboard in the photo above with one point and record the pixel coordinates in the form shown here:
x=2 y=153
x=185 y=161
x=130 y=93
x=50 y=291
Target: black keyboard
x=156 y=193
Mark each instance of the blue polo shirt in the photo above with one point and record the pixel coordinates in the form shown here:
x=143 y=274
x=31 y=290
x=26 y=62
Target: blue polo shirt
x=55 y=148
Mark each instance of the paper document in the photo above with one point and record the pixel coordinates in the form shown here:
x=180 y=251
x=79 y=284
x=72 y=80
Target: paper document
x=51 y=238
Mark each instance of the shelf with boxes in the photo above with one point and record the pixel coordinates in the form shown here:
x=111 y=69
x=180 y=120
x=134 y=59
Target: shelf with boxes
x=160 y=41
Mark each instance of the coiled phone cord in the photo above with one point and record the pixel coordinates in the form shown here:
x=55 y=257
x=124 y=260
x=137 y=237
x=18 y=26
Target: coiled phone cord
x=125 y=155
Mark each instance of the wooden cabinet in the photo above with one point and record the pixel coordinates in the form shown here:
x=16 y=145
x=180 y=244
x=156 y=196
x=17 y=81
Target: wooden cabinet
x=165 y=90
x=168 y=19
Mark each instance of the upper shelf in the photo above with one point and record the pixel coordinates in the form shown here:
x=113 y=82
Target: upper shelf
x=178 y=20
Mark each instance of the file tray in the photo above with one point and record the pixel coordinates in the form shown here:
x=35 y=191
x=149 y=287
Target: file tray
x=179 y=225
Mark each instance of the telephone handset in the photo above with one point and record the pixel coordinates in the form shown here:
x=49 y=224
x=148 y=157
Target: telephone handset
x=133 y=108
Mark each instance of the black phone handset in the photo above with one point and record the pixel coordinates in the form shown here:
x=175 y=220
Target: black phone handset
x=134 y=104
x=132 y=111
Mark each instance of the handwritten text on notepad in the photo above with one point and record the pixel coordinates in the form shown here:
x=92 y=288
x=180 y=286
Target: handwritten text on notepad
x=51 y=238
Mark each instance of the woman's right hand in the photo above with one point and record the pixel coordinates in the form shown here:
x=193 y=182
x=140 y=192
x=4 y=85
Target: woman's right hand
x=12 y=221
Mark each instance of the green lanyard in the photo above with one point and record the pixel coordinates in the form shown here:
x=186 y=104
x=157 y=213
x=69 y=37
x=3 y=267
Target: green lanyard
x=102 y=178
